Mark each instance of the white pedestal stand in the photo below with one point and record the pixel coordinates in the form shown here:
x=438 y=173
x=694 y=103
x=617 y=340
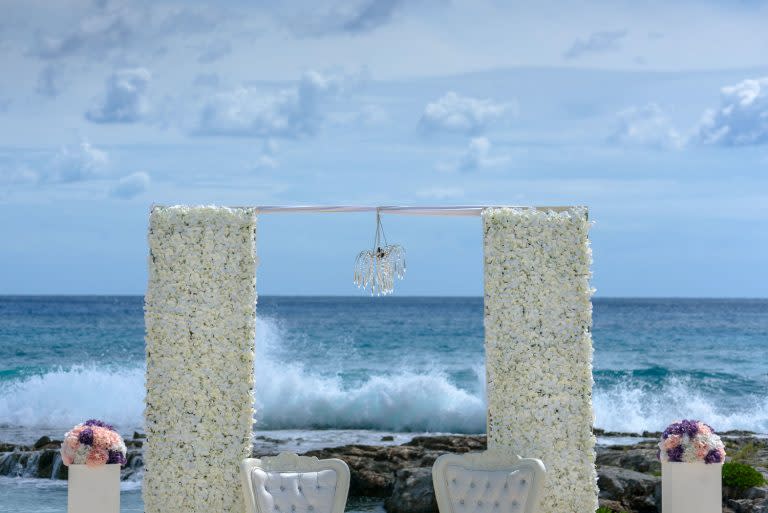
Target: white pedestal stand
x=94 y=489
x=691 y=487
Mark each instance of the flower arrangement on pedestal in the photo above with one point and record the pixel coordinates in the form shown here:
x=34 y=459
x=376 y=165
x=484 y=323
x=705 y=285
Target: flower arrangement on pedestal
x=691 y=457
x=690 y=441
x=93 y=443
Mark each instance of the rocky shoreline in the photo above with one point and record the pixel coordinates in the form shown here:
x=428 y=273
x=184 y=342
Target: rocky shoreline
x=400 y=475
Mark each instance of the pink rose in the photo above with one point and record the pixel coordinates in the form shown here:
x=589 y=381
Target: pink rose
x=672 y=441
x=102 y=437
x=96 y=457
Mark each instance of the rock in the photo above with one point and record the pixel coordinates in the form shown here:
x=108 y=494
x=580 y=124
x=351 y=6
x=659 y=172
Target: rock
x=136 y=435
x=413 y=492
x=732 y=492
x=373 y=468
x=639 y=460
x=748 y=506
x=387 y=438
x=450 y=443
x=45 y=463
x=42 y=441
x=611 y=505
x=635 y=490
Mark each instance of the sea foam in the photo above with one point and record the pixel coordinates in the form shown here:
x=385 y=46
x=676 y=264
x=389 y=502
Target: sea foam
x=291 y=395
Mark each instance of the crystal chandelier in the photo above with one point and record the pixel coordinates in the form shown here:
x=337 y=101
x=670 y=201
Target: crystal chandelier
x=377 y=268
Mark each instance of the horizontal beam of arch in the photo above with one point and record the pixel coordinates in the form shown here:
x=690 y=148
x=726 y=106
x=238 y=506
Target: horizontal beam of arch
x=456 y=210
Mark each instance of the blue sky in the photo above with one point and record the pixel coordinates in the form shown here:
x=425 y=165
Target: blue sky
x=653 y=114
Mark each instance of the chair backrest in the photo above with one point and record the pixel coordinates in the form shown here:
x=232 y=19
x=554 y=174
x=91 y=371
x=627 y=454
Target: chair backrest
x=487 y=482
x=288 y=483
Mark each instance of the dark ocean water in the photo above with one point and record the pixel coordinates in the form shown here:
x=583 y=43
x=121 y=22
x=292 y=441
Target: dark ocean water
x=387 y=364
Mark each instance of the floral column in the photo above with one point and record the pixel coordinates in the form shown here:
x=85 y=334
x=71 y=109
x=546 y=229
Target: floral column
x=539 y=349
x=200 y=320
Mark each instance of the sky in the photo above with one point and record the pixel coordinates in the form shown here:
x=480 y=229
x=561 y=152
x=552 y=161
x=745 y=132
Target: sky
x=653 y=114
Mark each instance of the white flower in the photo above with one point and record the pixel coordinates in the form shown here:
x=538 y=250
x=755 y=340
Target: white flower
x=539 y=348
x=200 y=319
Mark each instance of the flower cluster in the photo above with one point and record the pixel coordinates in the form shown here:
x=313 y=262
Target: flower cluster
x=539 y=349
x=93 y=443
x=690 y=441
x=200 y=314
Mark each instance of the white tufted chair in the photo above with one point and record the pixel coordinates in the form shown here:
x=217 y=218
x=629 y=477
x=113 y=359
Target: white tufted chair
x=288 y=483
x=487 y=482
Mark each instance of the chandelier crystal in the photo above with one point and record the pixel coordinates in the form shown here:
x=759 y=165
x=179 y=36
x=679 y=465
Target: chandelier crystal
x=377 y=268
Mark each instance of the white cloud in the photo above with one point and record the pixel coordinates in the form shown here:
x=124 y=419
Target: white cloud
x=317 y=19
x=76 y=163
x=289 y=113
x=72 y=163
x=130 y=186
x=742 y=117
x=476 y=156
x=597 y=42
x=94 y=36
x=365 y=115
x=112 y=29
x=646 y=126
x=266 y=159
x=455 y=113
x=125 y=99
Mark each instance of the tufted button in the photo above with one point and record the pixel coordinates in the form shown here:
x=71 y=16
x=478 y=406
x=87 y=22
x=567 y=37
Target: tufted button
x=453 y=480
x=479 y=503
x=472 y=485
x=310 y=508
x=282 y=488
x=496 y=504
x=514 y=503
x=461 y=502
x=293 y=507
x=506 y=485
x=522 y=482
x=277 y=508
x=299 y=489
x=488 y=485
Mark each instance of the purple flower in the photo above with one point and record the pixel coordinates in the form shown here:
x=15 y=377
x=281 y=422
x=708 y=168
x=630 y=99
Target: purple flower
x=116 y=457
x=99 y=423
x=86 y=436
x=684 y=427
x=713 y=456
x=676 y=453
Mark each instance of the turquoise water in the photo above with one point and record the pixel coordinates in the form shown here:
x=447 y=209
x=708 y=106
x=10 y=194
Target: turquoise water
x=389 y=364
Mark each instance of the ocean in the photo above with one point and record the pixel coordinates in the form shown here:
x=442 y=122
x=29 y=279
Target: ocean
x=359 y=368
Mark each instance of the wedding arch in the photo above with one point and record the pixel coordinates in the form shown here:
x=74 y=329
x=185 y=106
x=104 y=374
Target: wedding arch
x=200 y=311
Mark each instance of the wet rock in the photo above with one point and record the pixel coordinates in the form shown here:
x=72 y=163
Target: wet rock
x=41 y=442
x=413 y=492
x=635 y=490
x=45 y=463
x=748 y=506
x=373 y=468
x=639 y=460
